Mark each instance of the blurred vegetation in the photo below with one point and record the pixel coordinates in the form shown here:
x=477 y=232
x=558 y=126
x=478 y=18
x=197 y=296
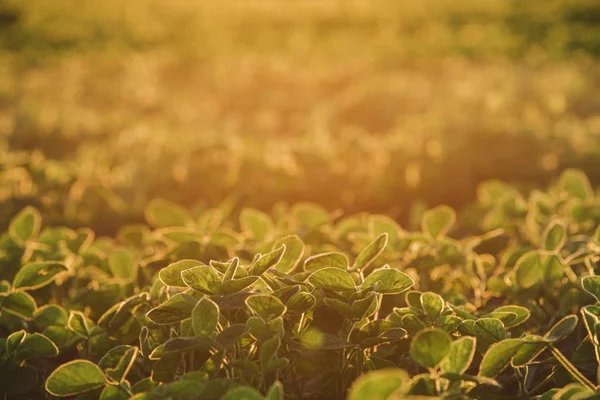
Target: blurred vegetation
x=353 y=104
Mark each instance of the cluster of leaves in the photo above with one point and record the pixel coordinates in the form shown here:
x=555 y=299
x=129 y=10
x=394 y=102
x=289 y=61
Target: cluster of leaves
x=307 y=304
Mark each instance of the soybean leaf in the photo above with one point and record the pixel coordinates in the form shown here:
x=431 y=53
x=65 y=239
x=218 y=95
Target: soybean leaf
x=175 y=309
x=429 y=347
x=204 y=279
x=498 y=356
x=122 y=264
x=231 y=335
x=25 y=225
x=20 y=304
x=256 y=224
x=562 y=328
x=294 y=249
x=555 y=236
x=162 y=214
x=591 y=284
x=235 y=285
x=118 y=362
x=380 y=385
x=576 y=184
x=266 y=306
x=326 y=260
x=437 y=221
x=432 y=304
x=275 y=392
x=35 y=275
x=243 y=393
x=75 y=377
x=553 y=269
x=332 y=279
x=528 y=270
x=460 y=356
x=301 y=302
x=116 y=392
x=488 y=331
x=171 y=275
x=532 y=346
x=36 y=345
x=370 y=253
x=205 y=317
x=521 y=313
x=266 y=261
x=388 y=281
x=50 y=314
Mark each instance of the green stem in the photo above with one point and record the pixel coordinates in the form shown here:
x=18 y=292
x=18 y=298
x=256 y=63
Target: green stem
x=574 y=372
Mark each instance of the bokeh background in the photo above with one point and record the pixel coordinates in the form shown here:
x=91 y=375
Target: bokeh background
x=370 y=105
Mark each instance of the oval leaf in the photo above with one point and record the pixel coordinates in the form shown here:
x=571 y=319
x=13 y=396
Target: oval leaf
x=75 y=377
x=429 y=347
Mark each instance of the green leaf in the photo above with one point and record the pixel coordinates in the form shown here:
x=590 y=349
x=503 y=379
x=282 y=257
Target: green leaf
x=235 y=285
x=301 y=302
x=432 y=304
x=50 y=314
x=122 y=265
x=75 y=377
x=591 y=284
x=437 y=221
x=121 y=392
x=231 y=335
x=36 y=345
x=268 y=351
x=498 y=356
x=371 y=252
x=388 y=281
x=326 y=260
x=171 y=275
x=79 y=324
x=382 y=384
x=14 y=340
x=20 y=304
x=429 y=347
x=488 y=331
x=175 y=309
x=521 y=313
x=275 y=392
x=256 y=224
x=243 y=393
x=460 y=356
x=266 y=261
x=412 y=323
x=528 y=269
x=553 y=269
x=117 y=363
x=162 y=214
x=332 y=279
x=562 y=328
x=532 y=346
x=25 y=226
x=205 y=317
x=576 y=184
x=266 y=306
x=555 y=236
x=294 y=249
x=204 y=279
x=231 y=270
x=35 y=275
x=186 y=344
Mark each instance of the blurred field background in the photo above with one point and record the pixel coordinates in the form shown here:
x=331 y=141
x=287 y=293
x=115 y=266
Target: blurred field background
x=357 y=105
